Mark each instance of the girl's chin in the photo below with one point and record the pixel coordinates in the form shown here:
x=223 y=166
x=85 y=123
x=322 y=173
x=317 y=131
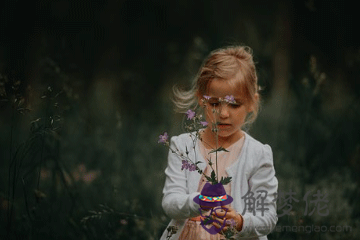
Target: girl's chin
x=225 y=133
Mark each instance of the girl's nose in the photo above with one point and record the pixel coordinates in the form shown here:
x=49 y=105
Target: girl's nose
x=224 y=113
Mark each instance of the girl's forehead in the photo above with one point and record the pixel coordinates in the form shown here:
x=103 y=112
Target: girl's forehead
x=221 y=89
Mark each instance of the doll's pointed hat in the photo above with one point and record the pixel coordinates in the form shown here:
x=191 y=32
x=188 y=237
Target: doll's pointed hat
x=213 y=196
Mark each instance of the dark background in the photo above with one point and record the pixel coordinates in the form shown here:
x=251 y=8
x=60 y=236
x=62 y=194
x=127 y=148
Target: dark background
x=85 y=91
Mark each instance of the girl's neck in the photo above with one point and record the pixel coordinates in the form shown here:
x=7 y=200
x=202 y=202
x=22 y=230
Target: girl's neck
x=209 y=139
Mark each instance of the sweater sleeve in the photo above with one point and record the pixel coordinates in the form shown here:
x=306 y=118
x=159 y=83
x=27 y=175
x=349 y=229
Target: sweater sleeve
x=177 y=202
x=259 y=214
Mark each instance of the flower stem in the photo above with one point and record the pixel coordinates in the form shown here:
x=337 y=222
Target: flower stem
x=198 y=135
x=187 y=159
x=217 y=143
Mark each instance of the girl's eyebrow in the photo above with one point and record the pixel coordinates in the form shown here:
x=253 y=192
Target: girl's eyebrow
x=237 y=100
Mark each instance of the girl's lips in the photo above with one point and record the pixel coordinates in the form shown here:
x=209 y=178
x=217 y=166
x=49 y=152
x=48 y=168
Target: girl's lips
x=223 y=125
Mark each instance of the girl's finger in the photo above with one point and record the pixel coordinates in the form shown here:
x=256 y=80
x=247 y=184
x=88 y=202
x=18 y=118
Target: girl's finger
x=216 y=225
x=220 y=213
x=220 y=220
x=228 y=216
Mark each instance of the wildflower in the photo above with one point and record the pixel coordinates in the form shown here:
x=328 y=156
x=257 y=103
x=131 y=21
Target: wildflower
x=185 y=165
x=204 y=123
x=190 y=114
x=163 y=138
x=231 y=222
x=229 y=99
x=123 y=222
x=207 y=97
x=82 y=168
x=192 y=167
x=90 y=176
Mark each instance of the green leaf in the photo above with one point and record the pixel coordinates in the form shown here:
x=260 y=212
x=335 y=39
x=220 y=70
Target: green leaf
x=219 y=150
x=225 y=181
x=229 y=234
x=213 y=176
x=208 y=178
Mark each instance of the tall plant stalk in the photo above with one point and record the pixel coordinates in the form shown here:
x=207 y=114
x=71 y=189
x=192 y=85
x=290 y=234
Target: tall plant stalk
x=10 y=208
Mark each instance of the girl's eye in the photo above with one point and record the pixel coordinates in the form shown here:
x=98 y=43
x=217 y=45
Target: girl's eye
x=232 y=105
x=215 y=104
x=235 y=105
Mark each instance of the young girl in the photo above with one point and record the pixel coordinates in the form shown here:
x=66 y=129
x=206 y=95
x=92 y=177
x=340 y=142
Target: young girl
x=227 y=89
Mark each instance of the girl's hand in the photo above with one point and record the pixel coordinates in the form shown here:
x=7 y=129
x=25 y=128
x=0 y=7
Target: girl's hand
x=205 y=208
x=231 y=218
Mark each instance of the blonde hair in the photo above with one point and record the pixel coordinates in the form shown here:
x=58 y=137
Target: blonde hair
x=233 y=64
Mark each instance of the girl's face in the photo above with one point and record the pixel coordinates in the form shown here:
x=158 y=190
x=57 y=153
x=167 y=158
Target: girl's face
x=229 y=116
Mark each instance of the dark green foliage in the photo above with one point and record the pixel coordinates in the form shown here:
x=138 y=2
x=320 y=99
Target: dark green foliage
x=85 y=91
x=212 y=179
x=225 y=180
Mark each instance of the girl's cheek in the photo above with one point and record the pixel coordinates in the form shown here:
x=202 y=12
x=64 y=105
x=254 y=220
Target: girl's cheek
x=210 y=117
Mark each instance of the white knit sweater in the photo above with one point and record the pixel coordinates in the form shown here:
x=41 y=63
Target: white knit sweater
x=253 y=171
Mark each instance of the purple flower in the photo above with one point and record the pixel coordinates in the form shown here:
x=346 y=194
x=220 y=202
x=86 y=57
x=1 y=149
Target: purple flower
x=192 y=167
x=163 y=138
x=231 y=222
x=123 y=222
x=206 y=97
x=204 y=123
x=190 y=114
x=229 y=99
x=185 y=165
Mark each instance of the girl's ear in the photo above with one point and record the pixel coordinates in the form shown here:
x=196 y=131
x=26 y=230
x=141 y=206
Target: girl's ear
x=200 y=101
x=251 y=108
